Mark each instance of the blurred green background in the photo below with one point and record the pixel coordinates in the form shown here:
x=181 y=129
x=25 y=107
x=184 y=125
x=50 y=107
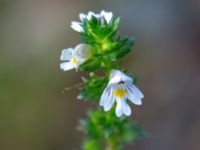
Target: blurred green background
x=35 y=115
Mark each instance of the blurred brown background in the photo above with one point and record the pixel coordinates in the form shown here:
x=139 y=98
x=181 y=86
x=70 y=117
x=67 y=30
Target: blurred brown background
x=35 y=115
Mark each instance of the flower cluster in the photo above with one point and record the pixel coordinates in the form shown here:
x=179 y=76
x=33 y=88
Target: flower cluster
x=100 y=49
x=77 y=26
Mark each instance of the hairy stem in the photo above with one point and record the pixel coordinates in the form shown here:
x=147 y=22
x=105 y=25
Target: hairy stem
x=111 y=145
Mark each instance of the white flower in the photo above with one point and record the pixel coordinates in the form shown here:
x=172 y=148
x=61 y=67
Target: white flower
x=77 y=26
x=120 y=89
x=75 y=57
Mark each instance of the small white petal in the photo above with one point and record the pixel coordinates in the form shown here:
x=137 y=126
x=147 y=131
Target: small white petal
x=134 y=100
x=116 y=76
x=83 y=51
x=90 y=14
x=119 y=108
x=107 y=15
x=76 y=26
x=66 y=66
x=126 y=108
x=101 y=18
x=82 y=16
x=109 y=103
x=66 y=54
x=105 y=95
x=122 y=108
x=134 y=94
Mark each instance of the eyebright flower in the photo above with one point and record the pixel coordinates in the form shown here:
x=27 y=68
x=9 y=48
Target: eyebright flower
x=107 y=16
x=75 y=57
x=120 y=89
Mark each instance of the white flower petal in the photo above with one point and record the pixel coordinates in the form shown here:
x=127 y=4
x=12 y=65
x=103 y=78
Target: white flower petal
x=119 y=108
x=90 y=14
x=83 y=51
x=122 y=108
x=101 y=18
x=126 y=108
x=76 y=26
x=66 y=54
x=105 y=95
x=66 y=66
x=107 y=15
x=108 y=103
x=82 y=16
x=116 y=76
x=134 y=94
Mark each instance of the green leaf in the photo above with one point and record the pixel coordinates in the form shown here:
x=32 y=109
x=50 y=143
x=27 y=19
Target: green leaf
x=105 y=127
x=93 y=88
x=92 y=145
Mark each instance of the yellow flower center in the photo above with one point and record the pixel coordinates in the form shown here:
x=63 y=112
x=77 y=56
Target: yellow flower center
x=74 y=61
x=119 y=93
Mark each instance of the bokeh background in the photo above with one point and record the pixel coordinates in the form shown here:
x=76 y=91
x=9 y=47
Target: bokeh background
x=36 y=115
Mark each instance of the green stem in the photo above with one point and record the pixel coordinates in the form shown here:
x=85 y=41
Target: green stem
x=111 y=144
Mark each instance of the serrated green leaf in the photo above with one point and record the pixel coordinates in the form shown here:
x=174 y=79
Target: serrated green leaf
x=93 y=88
